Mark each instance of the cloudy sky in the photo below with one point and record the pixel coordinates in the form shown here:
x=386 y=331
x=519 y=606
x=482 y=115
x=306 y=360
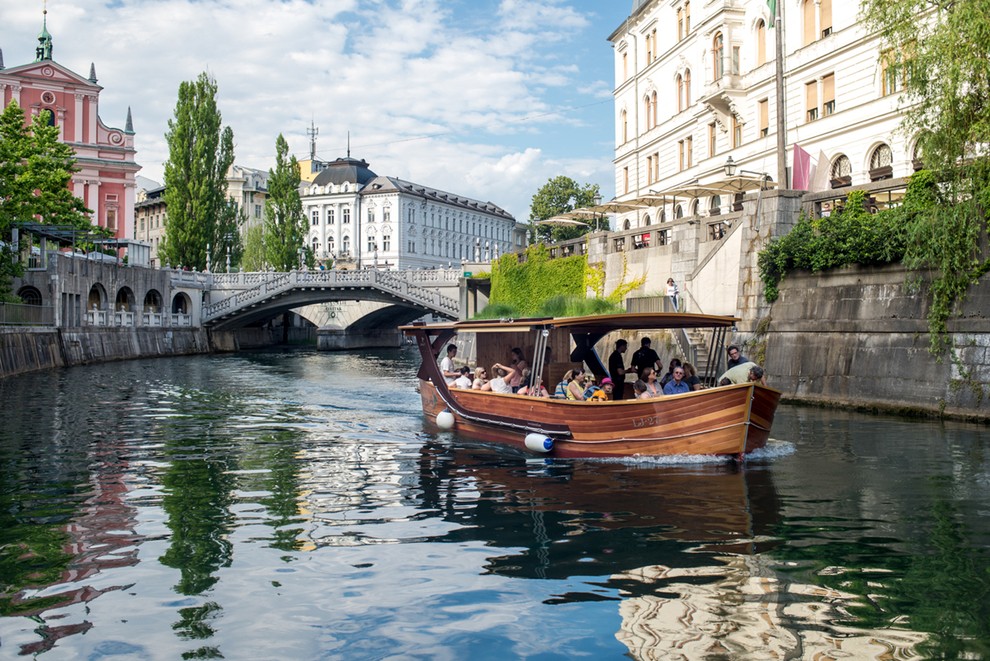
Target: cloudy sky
x=485 y=98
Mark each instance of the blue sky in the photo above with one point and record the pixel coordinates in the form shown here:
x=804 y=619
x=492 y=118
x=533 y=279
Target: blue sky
x=485 y=98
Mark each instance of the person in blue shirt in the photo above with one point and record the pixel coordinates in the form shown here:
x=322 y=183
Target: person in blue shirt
x=676 y=385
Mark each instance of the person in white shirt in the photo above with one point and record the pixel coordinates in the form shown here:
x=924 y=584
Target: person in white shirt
x=447 y=365
x=503 y=375
x=464 y=380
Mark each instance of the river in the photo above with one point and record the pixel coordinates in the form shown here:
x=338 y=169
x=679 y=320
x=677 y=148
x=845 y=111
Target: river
x=294 y=505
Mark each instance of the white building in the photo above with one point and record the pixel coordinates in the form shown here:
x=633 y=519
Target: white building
x=367 y=220
x=695 y=84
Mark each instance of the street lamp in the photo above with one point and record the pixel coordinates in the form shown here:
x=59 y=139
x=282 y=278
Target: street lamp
x=597 y=199
x=731 y=170
x=228 y=238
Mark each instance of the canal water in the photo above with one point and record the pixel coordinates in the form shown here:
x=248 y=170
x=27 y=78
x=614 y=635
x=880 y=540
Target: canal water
x=295 y=505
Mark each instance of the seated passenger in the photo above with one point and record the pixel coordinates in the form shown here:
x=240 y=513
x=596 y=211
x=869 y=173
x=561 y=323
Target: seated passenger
x=653 y=389
x=480 y=379
x=575 y=387
x=503 y=376
x=674 y=362
x=464 y=380
x=743 y=373
x=533 y=389
x=677 y=385
x=604 y=393
x=639 y=389
x=691 y=377
x=519 y=364
x=560 y=392
x=589 y=386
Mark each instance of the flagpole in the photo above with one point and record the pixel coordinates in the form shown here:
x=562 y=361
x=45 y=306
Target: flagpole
x=775 y=8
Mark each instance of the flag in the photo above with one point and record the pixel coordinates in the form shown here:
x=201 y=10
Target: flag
x=773 y=11
x=820 y=175
x=801 y=168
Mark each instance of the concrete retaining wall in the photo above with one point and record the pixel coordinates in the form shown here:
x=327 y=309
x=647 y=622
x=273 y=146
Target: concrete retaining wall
x=26 y=350
x=859 y=337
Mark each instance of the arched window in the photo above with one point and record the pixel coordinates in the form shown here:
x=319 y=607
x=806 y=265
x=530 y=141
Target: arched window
x=809 y=21
x=761 y=42
x=841 y=172
x=694 y=208
x=624 y=120
x=663 y=215
x=30 y=295
x=654 y=104
x=715 y=205
x=678 y=212
x=680 y=93
x=626 y=225
x=646 y=112
x=718 y=51
x=687 y=88
x=646 y=220
x=316 y=244
x=345 y=245
x=881 y=163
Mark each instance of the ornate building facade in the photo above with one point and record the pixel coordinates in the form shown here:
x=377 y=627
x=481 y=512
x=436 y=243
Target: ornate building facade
x=105 y=180
x=696 y=85
x=367 y=220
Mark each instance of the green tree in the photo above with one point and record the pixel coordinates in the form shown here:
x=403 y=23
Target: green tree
x=253 y=258
x=35 y=172
x=938 y=50
x=285 y=224
x=232 y=218
x=200 y=151
x=560 y=195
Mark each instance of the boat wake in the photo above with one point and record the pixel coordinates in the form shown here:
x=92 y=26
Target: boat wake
x=774 y=449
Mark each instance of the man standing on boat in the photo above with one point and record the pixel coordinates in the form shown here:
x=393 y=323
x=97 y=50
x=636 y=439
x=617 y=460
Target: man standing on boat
x=447 y=365
x=645 y=357
x=617 y=369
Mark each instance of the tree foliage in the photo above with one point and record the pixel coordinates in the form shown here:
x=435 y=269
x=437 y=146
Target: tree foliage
x=35 y=172
x=285 y=223
x=200 y=152
x=253 y=257
x=560 y=195
x=942 y=49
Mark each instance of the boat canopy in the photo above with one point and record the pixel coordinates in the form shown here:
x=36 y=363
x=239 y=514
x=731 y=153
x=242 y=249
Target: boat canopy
x=588 y=324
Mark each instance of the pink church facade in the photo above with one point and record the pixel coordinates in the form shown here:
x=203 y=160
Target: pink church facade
x=105 y=180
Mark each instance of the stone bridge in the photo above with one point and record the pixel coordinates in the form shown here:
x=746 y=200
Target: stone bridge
x=239 y=299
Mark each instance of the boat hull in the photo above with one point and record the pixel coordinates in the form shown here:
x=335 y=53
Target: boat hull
x=731 y=420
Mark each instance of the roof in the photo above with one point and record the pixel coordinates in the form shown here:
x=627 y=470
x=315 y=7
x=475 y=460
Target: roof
x=437 y=195
x=345 y=170
x=588 y=324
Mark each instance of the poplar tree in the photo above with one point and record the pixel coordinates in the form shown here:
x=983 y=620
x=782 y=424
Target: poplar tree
x=285 y=223
x=200 y=152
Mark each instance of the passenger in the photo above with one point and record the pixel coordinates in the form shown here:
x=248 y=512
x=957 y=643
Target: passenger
x=691 y=377
x=616 y=367
x=645 y=357
x=481 y=379
x=503 y=376
x=464 y=380
x=604 y=393
x=744 y=373
x=735 y=358
x=677 y=386
x=447 y=365
x=519 y=364
x=575 y=390
x=534 y=389
x=560 y=392
x=639 y=389
x=589 y=386
x=674 y=362
x=653 y=389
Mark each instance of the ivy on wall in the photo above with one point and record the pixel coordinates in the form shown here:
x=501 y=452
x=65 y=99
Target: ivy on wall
x=523 y=286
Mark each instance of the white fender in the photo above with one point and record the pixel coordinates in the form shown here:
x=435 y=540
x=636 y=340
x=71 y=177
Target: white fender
x=445 y=420
x=538 y=443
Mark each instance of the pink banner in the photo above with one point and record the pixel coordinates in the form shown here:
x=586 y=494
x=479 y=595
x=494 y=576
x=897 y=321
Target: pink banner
x=801 y=171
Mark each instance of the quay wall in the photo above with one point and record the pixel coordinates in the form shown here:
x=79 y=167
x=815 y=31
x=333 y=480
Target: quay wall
x=25 y=350
x=858 y=337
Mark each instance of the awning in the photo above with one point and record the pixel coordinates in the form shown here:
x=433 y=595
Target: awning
x=730 y=185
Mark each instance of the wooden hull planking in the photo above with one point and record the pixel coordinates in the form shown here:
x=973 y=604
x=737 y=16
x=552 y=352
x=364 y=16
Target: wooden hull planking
x=732 y=420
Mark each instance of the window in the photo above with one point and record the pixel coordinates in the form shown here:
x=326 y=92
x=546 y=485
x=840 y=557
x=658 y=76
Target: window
x=678 y=212
x=654 y=103
x=718 y=66
x=649 y=49
x=712 y=135
x=345 y=217
x=841 y=172
x=315 y=217
x=625 y=66
x=330 y=217
x=881 y=163
x=624 y=120
x=735 y=61
x=345 y=245
x=680 y=155
x=761 y=43
x=689 y=147
x=330 y=246
x=687 y=88
x=687 y=18
x=828 y=95
x=372 y=246
x=386 y=243
x=111 y=219
x=763 y=113
x=680 y=93
x=811 y=101
x=649 y=169
x=680 y=23
x=625 y=179
x=656 y=166
x=736 y=132
x=646 y=112
x=257 y=211
x=825 y=18
x=371 y=215
x=810 y=32
x=386 y=215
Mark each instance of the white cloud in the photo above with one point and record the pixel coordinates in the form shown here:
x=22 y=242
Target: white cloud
x=470 y=96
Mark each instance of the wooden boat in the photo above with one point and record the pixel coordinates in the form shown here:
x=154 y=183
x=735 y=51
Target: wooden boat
x=730 y=420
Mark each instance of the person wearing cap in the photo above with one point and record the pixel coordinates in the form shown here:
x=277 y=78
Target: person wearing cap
x=604 y=393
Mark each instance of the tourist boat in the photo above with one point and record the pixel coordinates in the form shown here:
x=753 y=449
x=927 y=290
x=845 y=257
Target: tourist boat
x=730 y=420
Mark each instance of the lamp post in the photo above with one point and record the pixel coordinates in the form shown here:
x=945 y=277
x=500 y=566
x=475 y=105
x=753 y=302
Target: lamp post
x=597 y=199
x=375 y=253
x=228 y=238
x=732 y=169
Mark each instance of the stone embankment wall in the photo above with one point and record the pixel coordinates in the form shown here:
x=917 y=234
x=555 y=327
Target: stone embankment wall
x=25 y=350
x=859 y=337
